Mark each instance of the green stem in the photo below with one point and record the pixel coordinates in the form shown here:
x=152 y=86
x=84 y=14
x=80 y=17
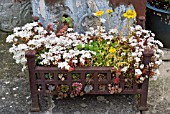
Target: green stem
x=109 y=21
x=123 y=31
x=99 y=24
x=128 y=27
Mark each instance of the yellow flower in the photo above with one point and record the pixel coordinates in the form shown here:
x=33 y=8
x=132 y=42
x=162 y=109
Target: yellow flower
x=99 y=13
x=112 y=50
x=130 y=14
x=109 y=11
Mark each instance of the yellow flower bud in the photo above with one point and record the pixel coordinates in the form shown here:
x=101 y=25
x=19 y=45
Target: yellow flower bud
x=99 y=13
x=112 y=50
x=130 y=14
x=109 y=11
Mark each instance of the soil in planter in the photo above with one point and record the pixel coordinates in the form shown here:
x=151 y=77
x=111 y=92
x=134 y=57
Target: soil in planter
x=161 y=4
x=102 y=76
x=158 y=22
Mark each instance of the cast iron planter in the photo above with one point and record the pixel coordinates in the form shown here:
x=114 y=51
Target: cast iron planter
x=37 y=78
x=158 y=21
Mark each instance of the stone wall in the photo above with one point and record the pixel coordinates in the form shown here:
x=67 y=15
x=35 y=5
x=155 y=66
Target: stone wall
x=14 y=13
x=18 y=12
x=81 y=11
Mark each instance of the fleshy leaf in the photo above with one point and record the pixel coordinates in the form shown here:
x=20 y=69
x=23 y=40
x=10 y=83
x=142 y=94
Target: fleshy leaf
x=63 y=19
x=68 y=20
x=88 y=88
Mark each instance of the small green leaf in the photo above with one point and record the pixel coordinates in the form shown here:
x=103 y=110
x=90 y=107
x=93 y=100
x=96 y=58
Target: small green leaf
x=74 y=76
x=95 y=49
x=46 y=75
x=125 y=47
x=68 y=20
x=79 y=47
x=70 y=25
x=86 y=46
x=98 y=55
x=90 y=47
x=50 y=76
x=88 y=75
x=63 y=19
x=114 y=44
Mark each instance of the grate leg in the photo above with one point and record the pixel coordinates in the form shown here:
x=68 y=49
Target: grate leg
x=143 y=96
x=35 y=103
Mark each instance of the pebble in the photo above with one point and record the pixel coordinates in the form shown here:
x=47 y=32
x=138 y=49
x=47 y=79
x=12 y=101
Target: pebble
x=107 y=102
x=15 y=95
x=29 y=102
x=14 y=89
x=7 y=82
x=10 y=106
x=83 y=105
x=145 y=112
x=166 y=54
x=168 y=108
x=101 y=98
x=107 y=112
x=27 y=97
x=83 y=98
x=6 y=93
x=77 y=112
x=3 y=98
x=138 y=112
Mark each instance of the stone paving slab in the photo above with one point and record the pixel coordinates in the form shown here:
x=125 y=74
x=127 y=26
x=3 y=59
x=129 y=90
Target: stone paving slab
x=159 y=92
x=166 y=54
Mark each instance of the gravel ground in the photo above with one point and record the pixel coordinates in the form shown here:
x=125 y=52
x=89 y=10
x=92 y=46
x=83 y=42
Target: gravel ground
x=15 y=94
x=15 y=99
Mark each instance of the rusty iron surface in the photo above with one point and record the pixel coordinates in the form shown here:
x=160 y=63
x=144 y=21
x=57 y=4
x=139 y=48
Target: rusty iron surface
x=135 y=88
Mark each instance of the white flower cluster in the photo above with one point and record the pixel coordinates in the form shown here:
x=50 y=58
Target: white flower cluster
x=22 y=34
x=144 y=39
x=19 y=54
x=59 y=50
x=64 y=48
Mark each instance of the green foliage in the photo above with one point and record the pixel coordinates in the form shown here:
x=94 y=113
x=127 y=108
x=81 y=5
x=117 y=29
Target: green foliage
x=39 y=52
x=108 y=52
x=75 y=76
x=79 y=47
x=63 y=19
x=88 y=75
x=64 y=88
x=168 y=1
x=70 y=25
x=161 y=4
x=9 y=33
x=67 y=20
x=48 y=76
